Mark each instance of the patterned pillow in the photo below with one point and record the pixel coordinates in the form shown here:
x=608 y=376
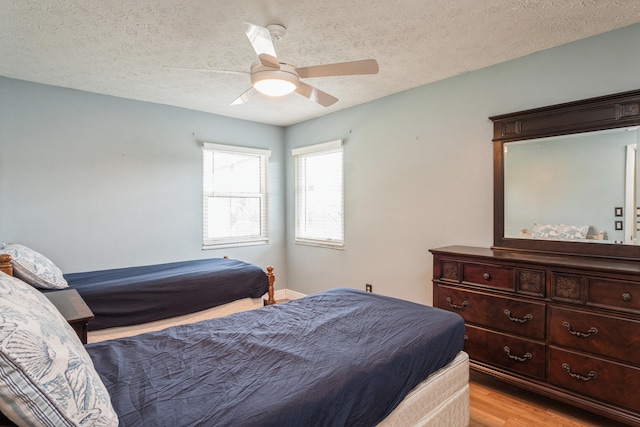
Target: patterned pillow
x=46 y=376
x=559 y=231
x=34 y=268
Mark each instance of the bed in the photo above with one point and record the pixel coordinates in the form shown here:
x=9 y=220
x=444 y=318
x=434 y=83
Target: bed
x=137 y=295
x=134 y=299
x=337 y=358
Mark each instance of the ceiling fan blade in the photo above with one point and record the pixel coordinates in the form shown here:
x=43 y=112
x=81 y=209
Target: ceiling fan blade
x=260 y=39
x=206 y=70
x=269 y=61
x=364 y=66
x=244 y=98
x=316 y=95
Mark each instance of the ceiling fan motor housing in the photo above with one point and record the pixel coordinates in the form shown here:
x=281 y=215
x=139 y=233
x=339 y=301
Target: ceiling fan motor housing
x=277 y=31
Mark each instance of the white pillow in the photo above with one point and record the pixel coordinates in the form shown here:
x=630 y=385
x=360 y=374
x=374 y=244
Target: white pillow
x=34 y=268
x=46 y=376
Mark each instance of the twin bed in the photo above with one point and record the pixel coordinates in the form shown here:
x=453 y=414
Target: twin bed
x=336 y=358
x=128 y=301
x=123 y=299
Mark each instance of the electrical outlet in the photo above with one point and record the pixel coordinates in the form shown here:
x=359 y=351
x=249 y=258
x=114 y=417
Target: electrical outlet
x=368 y=287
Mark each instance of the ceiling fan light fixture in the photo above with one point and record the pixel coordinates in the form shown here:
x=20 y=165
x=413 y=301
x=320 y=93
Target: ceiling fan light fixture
x=274 y=82
x=274 y=87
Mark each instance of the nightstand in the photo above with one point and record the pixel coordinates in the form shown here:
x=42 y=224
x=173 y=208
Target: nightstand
x=73 y=308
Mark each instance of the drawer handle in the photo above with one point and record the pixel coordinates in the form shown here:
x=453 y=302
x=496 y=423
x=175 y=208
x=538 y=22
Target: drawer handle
x=524 y=357
x=626 y=297
x=525 y=319
x=591 y=375
x=459 y=307
x=591 y=331
x=486 y=276
x=466 y=337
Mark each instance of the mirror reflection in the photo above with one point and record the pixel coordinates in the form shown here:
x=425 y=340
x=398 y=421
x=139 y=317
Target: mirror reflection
x=580 y=187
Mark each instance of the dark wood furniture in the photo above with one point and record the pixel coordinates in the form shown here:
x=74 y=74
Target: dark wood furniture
x=73 y=309
x=270 y=300
x=564 y=326
x=558 y=317
x=602 y=113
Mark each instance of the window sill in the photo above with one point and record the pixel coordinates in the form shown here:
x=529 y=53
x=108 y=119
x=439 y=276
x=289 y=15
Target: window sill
x=320 y=244
x=210 y=246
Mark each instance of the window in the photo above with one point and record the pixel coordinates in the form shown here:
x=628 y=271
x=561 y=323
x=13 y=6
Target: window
x=319 y=194
x=234 y=196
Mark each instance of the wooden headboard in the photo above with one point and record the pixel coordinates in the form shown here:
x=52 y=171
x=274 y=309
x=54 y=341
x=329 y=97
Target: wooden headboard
x=5 y=264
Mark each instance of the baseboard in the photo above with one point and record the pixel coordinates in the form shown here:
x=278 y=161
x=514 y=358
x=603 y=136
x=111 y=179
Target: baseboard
x=287 y=294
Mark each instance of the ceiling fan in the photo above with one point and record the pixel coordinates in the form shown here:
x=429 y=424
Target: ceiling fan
x=273 y=77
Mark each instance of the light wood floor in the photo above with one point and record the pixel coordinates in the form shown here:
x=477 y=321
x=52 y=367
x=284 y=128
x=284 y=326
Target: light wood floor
x=494 y=404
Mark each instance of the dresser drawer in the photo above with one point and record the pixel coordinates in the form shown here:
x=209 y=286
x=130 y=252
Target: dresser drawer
x=488 y=275
x=506 y=351
x=526 y=318
x=614 y=294
x=595 y=333
x=602 y=379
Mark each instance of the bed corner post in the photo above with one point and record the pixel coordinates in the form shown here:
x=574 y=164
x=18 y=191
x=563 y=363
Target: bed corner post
x=272 y=278
x=5 y=264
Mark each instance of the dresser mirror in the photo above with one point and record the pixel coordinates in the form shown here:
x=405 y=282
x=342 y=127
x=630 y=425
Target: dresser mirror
x=580 y=187
x=565 y=178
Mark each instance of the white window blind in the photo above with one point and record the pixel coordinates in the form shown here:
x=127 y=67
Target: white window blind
x=235 y=202
x=319 y=194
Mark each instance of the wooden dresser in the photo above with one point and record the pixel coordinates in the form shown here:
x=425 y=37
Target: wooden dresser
x=564 y=326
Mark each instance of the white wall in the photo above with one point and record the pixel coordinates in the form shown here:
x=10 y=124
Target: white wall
x=418 y=165
x=97 y=182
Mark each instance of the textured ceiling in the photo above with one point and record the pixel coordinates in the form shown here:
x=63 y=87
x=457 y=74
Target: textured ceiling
x=119 y=47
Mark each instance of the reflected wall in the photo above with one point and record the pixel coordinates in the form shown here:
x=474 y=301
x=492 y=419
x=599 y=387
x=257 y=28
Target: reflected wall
x=577 y=180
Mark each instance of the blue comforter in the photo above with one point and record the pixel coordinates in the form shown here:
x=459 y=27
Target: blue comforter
x=129 y=296
x=336 y=358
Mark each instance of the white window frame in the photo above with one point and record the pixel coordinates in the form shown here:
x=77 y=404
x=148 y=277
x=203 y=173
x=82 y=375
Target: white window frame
x=232 y=241
x=299 y=155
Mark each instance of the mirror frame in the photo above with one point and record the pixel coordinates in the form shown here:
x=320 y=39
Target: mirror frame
x=605 y=112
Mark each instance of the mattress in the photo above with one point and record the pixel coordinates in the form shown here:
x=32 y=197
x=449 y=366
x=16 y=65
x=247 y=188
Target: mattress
x=440 y=400
x=339 y=357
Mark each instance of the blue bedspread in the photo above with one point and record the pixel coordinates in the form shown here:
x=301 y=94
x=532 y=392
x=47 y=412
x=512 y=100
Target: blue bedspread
x=128 y=296
x=336 y=358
